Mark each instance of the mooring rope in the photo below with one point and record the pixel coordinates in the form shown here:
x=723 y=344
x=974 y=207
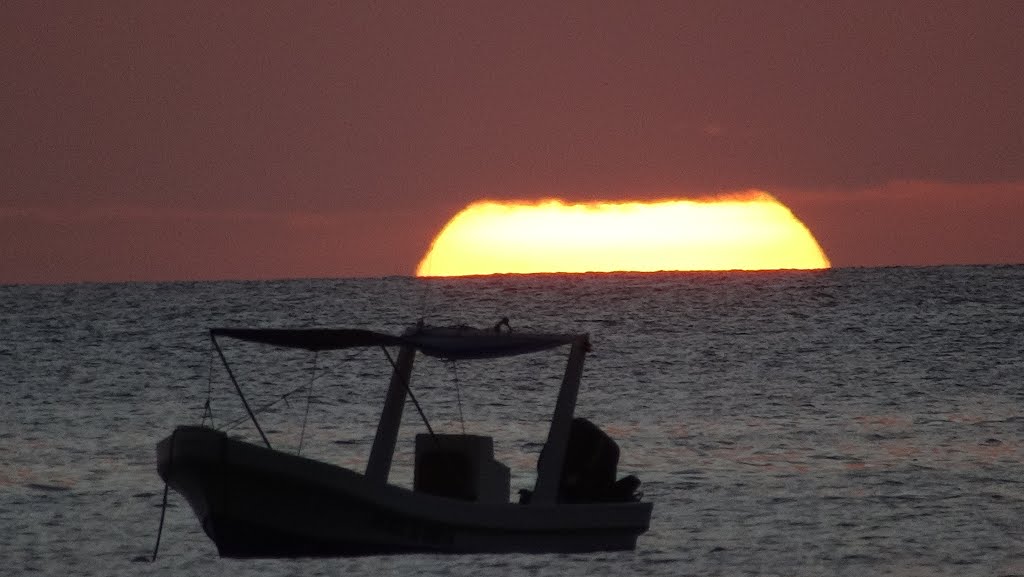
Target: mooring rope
x=163 y=505
x=207 y=407
x=160 y=529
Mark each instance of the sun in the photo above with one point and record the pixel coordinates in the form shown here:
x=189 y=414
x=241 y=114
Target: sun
x=748 y=231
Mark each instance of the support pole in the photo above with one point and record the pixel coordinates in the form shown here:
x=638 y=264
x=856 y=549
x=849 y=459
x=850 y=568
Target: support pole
x=549 y=467
x=245 y=403
x=379 y=465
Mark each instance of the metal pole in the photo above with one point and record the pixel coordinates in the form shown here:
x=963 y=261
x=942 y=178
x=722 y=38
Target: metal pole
x=379 y=465
x=552 y=457
x=239 y=389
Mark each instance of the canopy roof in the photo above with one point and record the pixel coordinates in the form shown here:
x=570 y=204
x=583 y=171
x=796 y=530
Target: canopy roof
x=455 y=343
x=443 y=342
x=311 y=339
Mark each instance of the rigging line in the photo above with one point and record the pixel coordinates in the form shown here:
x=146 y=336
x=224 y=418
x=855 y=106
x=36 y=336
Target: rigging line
x=419 y=409
x=425 y=291
x=325 y=371
x=458 y=394
x=245 y=403
x=309 y=399
x=264 y=407
x=423 y=302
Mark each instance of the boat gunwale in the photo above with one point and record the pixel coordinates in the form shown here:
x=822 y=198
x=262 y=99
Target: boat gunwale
x=393 y=498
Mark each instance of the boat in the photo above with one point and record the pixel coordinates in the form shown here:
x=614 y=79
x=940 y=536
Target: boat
x=254 y=501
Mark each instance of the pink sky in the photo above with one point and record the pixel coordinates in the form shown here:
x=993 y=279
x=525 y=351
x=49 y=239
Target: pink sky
x=161 y=141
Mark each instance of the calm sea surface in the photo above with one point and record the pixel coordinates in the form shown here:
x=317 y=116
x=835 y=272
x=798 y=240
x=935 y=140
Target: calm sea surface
x=847 y=422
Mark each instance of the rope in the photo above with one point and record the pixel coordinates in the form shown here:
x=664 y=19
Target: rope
x=426 y=290
x=160 y=530
x=207 y=408
x=414 y=401
x=458 y=394
x=238 y=388
x=309 y=399
x=321 y=373
x=262 y=408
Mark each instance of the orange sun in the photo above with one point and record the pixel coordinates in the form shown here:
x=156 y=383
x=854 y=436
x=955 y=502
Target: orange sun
x=752 y=231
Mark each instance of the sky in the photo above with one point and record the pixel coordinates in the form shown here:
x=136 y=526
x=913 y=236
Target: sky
x=150 y=140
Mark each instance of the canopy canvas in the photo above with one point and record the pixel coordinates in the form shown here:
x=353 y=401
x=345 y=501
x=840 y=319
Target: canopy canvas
x=450 y=343
x=310 y=339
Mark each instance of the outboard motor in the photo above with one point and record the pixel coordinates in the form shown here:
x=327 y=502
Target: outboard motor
x=589 y=470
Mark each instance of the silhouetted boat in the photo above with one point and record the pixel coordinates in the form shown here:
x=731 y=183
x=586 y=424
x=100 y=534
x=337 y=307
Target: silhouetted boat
x=255 y=501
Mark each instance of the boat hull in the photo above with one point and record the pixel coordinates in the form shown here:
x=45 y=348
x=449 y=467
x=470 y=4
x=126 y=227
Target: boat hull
x=257 y=502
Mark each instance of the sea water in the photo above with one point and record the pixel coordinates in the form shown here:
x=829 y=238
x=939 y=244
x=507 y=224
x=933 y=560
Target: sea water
x=844 y=422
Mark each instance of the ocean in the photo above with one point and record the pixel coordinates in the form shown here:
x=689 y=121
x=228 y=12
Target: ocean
x=842 y=422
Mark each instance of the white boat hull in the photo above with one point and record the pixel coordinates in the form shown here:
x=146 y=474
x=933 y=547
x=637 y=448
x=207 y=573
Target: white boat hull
x=257 y=502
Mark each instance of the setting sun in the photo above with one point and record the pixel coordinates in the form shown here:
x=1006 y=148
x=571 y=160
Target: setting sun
x=752 y=231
